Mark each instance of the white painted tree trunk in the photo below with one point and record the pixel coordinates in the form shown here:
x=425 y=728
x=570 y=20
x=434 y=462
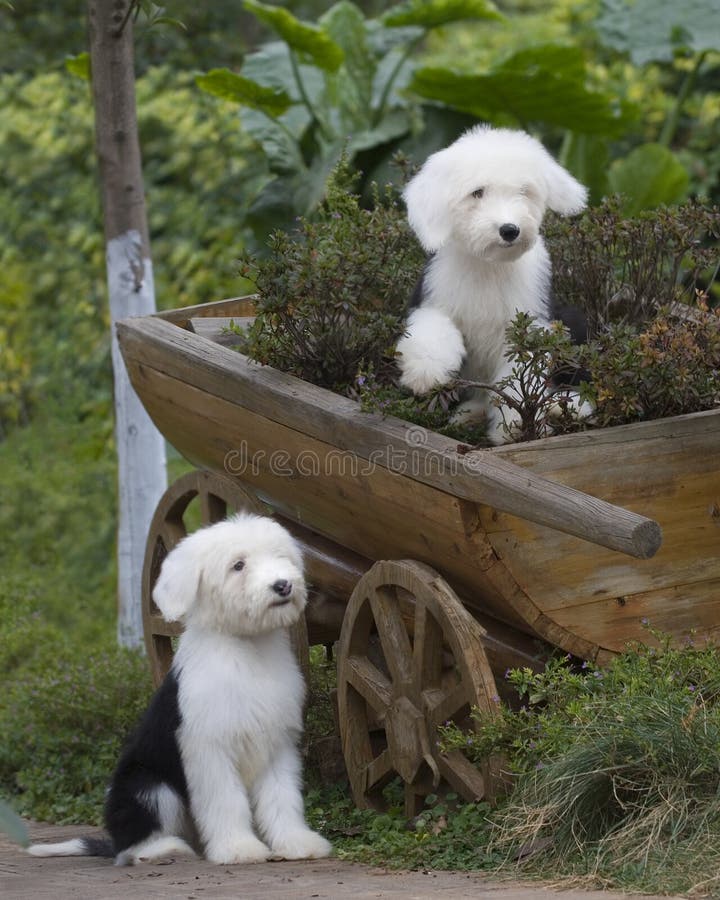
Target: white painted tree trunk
x=140 y=446
x=141 y=449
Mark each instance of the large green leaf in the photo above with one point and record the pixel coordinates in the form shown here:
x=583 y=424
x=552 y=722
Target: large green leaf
x=440 y=127
x=311 y=188
x=393 y=78
x=351 y=90
x=272 y=208
x=433 y=13
x=542 y=84
x=271 y=66
x=305 y=39
x=649 y=176
x=279 y=139
x=653 y=30
x=230 y=86
x=588 y=158
x=282 y=199
x=396 y=124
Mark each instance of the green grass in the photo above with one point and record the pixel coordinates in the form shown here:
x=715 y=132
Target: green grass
x=67 y=693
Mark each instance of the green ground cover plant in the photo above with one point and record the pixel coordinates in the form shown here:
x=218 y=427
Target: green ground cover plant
x=333 y=293
x=67 y=693
x=618 y=769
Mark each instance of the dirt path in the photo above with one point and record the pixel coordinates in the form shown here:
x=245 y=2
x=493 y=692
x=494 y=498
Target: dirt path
x=23 y=877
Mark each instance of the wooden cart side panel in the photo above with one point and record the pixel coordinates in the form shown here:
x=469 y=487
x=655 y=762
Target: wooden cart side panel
x=478 y=477
x=233 y=307
x=686 y=611
x=671 y=472
x=373 y=512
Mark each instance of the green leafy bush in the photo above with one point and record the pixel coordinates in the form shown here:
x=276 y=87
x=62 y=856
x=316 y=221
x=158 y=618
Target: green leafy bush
x=333 y=294
x=619 y=768
x=67 y=694
x=617 y=267
x=669 y=368
x=53 y=301
x=63 y=728
x=333 y=297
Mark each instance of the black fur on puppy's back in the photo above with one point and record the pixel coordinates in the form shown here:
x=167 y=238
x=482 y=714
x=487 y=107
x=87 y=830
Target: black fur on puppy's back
x=418 y=294
x=150 y=758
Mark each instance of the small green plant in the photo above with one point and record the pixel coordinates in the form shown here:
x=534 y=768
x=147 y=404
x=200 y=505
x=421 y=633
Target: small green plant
x=625 y=269
x=618 y=769
x=543 y=359
x=444 y=835
x=333 y=294
x=667 y=369
x=380 y=394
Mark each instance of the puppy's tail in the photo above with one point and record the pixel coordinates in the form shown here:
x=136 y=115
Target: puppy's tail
x=84 y=846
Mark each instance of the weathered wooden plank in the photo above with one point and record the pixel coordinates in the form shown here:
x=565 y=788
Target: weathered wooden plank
x=671 y=471
x=549 y=452
x=421 y=455
x=689 y=611
x=368 y=510
x=233 y=306
x=217 y=328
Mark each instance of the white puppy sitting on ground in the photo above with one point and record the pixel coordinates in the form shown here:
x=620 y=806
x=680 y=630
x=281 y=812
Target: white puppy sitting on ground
x=214 y=765
x=477 y=207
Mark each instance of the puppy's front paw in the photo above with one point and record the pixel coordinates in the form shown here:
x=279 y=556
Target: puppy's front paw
x=471 y=412
x=431 y=351
x=302 y=844
x=246 y=849
x=503 y=427
x=581 y=410
x=422 y=375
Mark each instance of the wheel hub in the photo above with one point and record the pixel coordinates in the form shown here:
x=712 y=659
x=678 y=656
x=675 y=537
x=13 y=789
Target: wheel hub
x=407 y=738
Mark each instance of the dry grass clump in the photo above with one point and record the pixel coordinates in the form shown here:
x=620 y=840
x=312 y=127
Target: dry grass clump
x=618 y=771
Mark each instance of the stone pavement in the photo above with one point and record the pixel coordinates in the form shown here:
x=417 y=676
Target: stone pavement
x=24 y=877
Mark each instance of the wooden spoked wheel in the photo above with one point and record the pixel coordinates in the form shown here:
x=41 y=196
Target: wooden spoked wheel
x=410 y=659
x=217 y=498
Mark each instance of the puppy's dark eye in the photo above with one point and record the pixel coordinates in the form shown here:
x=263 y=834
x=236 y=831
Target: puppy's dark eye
x=478 y=193
x=239 y=565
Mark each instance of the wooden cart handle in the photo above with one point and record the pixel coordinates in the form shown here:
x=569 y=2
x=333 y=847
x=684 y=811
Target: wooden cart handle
x=523 y=493
x=481 y=477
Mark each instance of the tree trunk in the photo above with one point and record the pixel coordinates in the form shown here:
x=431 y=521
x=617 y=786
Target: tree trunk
x=140 y=447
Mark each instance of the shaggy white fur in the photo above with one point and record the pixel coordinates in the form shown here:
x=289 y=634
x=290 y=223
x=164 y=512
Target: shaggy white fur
x=214 y=765
x=477 y=206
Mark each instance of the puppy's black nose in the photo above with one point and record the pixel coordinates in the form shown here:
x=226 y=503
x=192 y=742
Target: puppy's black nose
x=282 y=587
x=509 y=231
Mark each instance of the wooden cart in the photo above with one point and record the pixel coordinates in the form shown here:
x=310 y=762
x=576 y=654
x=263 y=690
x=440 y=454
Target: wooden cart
x=434 y=568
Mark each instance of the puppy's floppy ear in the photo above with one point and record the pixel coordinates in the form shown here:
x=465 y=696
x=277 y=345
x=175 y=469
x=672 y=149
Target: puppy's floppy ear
x=178 y=582
x=566 y=195
x=429 y=201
